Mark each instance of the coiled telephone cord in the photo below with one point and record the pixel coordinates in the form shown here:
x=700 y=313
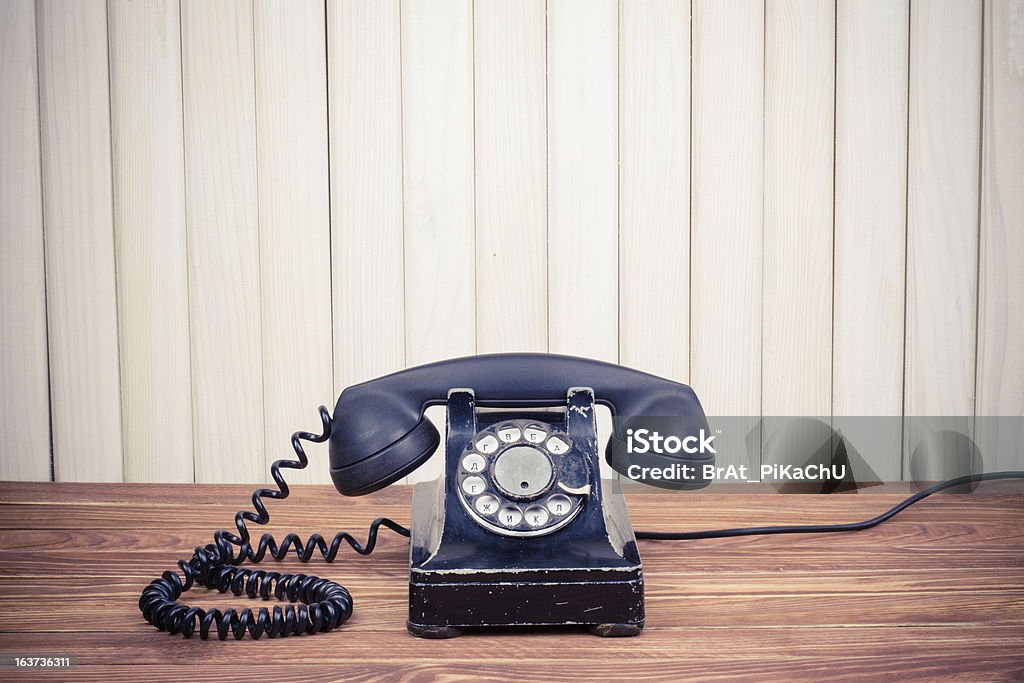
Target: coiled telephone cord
x=322 y=605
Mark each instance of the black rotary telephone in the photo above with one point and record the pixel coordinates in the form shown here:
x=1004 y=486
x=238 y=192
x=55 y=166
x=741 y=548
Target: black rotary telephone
x=520 y=530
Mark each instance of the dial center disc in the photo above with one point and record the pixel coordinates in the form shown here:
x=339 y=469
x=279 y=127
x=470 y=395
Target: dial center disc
x=523 y=471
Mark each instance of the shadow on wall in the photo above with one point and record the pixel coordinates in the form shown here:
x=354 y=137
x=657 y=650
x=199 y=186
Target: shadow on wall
x=937 y=448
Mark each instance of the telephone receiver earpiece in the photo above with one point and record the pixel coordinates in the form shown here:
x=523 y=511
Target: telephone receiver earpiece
x=380 y=432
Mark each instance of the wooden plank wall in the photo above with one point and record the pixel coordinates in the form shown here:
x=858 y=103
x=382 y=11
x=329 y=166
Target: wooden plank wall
x=215 y=216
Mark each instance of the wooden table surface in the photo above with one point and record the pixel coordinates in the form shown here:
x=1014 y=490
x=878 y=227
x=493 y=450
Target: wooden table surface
x=937 y=592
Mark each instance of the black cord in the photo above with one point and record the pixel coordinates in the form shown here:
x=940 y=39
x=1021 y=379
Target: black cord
x=325 y=605
x=827 y=528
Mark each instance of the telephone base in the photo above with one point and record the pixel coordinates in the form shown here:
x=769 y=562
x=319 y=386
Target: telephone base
x=441 y=608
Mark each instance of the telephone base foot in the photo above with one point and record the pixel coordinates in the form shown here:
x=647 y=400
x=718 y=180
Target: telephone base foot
x=433 y=632
x=616 y=630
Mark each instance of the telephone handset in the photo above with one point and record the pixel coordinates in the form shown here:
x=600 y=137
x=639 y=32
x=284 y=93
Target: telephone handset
x=519 y=530
x=380 y=432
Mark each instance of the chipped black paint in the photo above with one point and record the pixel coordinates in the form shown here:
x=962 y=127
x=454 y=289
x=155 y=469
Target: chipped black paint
x=462 y=575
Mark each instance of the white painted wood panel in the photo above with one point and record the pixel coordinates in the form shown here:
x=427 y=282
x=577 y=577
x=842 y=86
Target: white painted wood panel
x=942 y=207
x=437 y=106
x=1001 y=325
x=1000 y=373
x=798 y=132
x=654 y=187
x=870 y=224
x=942 y=230
x=24 y=401
x=294 y=223
x=727 y=211
x=511 y=175
x=223 y=235
x=724 y=201
x=364 y=82
x=149 y=233
x=799 y=120
x=437 y=128
x=583 y=216
x=78 y=219
x=727 y=217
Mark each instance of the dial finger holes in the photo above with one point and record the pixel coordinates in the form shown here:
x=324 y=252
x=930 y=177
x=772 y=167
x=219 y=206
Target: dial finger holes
x=535 y=434
x=559 y=505
x=509 y=434
x=474 y=462
x=487 y=444
x=557 y=446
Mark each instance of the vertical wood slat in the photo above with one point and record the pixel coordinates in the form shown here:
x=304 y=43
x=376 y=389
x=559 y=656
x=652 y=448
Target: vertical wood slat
x=80 y=264
x=511 y=175
x=24 y=400
x=149 y=231
x=654 y=187
x=582 y=89
x=365 y=121
x=438 y=164
x=942 y=228
x=437 y=105
x=870 y=226
x=294 y=223
x=942 y=206
x=799 y=119
x=223 y=235
x=727 y=213
x=1000 y=370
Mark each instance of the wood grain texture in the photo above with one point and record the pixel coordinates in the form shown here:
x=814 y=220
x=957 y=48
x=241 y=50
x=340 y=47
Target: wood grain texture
x=942 y=229
x=936 y=592
x=960 y=663
x=727 y=212
x=24 y=402
x=607 y=179
x=224 y=260
x=583 y=128
x=727 y=209
x=796 y=332
x=364 y=87
x=870 y=222
x=510 y=135
x=654 y=187
x=942 y=207
x=437 y=127
x=150 y=235
x=1000 y=372
x=798 y=131
x=74 y=108
x=294 y=221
